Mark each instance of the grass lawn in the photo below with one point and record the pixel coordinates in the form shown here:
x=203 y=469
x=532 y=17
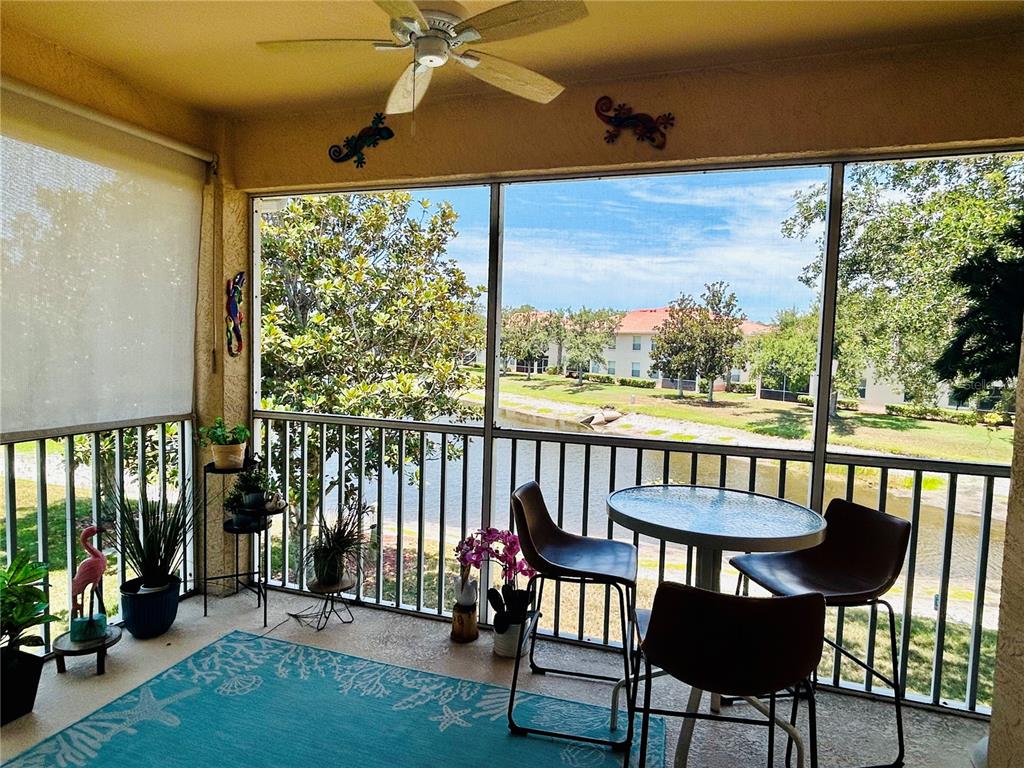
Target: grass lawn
x=879 y=432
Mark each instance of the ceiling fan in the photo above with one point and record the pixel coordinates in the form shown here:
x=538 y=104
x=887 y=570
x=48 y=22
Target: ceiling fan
x=435 y=37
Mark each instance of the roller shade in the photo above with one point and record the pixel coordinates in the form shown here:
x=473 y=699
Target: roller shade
x=100 y=239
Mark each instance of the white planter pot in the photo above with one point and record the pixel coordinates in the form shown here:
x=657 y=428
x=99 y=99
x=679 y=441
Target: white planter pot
x=505 y=643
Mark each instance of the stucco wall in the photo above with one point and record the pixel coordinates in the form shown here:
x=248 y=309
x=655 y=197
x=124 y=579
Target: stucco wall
x=1006 y=748
x=961 y=93
x=48 y=66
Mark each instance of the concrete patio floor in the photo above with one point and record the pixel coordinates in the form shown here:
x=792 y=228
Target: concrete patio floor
x=852 y=731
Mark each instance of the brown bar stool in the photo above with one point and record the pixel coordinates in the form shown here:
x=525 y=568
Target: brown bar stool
x=858 y=562
x=560 y=556
x=747 y=646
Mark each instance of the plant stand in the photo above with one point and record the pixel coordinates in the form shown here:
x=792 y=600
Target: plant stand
x=319 y=613
x=256 y=522
x=65 y=646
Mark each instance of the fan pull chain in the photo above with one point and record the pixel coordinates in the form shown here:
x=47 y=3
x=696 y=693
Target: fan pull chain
x=412 y=126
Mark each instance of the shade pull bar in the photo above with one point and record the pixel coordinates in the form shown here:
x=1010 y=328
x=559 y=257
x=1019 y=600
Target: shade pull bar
x=30 y=91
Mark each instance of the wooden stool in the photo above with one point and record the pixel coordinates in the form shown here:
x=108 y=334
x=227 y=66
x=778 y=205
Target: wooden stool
x=65 y=646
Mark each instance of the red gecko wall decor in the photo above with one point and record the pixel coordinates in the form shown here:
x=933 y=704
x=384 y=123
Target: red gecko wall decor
x=621 y=117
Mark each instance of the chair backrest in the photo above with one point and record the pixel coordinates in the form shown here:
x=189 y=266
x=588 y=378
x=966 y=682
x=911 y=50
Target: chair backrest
x=863 y=541
x=738 y=646
x=534 y=525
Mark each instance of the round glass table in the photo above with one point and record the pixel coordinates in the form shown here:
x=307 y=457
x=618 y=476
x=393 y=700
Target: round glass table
x=716 y=519
x=712 y=520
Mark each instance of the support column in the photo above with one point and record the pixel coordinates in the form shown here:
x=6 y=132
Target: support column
x=1006 y=744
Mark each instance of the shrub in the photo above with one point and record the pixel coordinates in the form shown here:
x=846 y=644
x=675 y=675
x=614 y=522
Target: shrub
x=601 y=378
x=553 y=370
x=996 y=419
x=848 y=405
x=638 y=383
x=744 y=388
x=805 y=400
x=933 y=413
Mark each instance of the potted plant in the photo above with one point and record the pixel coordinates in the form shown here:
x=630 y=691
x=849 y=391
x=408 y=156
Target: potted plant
x=22 y=606
x=151 y=538
x=228 y=445
x=339 y=547
x=511 y=605
x=253 y=489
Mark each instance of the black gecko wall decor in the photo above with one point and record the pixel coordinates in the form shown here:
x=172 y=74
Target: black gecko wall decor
x=353 y=147
x=622 y=117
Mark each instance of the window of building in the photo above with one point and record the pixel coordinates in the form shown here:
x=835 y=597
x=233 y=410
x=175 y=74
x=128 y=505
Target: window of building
x=734 y=375
x=635 y=371
x=636 y=343
x=611 y=367
x=862 y=389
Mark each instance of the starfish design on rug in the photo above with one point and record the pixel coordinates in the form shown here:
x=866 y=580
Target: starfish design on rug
x=148 y=707
x=450 y=717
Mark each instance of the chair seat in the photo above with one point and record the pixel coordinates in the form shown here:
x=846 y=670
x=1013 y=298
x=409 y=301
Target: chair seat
x=796 y=573
x=643 y=621
x=600 y=560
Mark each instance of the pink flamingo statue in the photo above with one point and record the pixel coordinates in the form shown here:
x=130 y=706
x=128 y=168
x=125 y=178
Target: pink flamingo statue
x=90 y=571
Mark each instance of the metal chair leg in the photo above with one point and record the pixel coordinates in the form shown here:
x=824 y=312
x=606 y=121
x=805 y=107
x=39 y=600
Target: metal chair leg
x=792 y=721
x=771 y=730
x=812 y=724
x=897 y=686
x=537 y=670
x=644 y=722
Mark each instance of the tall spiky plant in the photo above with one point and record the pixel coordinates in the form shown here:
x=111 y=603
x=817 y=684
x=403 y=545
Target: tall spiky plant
x=150 y=535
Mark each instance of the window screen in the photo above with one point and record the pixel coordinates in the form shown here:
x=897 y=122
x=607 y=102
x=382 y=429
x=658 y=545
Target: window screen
x=100 y=238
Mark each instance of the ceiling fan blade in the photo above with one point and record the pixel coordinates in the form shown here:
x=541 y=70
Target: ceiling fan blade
x=408 y=91
x=523 y=17
x=510 y=77
x=404 y=9
x=322 y=44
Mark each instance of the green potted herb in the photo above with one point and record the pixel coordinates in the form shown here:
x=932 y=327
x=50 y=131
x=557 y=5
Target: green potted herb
x=228 y=445
x=22 y=606
x=151 y=538
x=339 y=547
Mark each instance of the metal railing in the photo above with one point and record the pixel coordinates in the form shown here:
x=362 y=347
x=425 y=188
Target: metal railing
x=423 y=484
x=52 y=489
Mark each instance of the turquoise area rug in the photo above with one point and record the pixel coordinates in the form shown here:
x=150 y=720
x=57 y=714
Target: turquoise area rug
x=247 y=701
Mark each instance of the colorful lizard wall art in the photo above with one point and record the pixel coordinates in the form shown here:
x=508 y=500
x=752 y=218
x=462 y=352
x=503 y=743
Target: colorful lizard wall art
x=235 y=318
x=354 y=146
x=644 y=127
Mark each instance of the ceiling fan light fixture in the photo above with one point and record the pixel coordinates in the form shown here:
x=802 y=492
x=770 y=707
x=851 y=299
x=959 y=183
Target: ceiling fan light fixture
x=432 y=51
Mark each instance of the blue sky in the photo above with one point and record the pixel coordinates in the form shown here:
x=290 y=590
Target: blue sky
x=637 y=242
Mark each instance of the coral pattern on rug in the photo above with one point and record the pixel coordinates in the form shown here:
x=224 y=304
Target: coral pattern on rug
x=247 y=700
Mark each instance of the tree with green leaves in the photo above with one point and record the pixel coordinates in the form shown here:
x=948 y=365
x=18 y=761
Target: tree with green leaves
x=555 y=321
x=985 y=348
x=786 y=356
x=703 y=337
x=906 y=226
x=364 y=314
x=588 y=334
x=524 y=336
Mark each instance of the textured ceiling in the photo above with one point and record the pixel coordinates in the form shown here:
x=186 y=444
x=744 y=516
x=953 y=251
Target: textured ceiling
x=205 y=53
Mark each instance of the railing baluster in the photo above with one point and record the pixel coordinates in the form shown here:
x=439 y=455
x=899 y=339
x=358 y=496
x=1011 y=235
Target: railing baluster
x=421 y=502
x=140 y=473
x=883 y=496
x=360 y=500
x=400 y=521
x=560 y=523
x=611 y=535
x=980 y=576
x=441 y=522
x=42 y=527
x=536 y=460
x=380 y=514
x=639 y=477
x=513 y=455
x=119 y=492
x=782 y=478
x=94 y=473
x=583 y=531
x=693 y=468
x=286 y=486
x=267 y=558
x=10 y=503
x=908 y=587
x=722 y=470
x=300 y=570
x=752 y=477
x=665 y=474
x=947 y=562
x=465 y=483
x=162 y=463
x=69 y=516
